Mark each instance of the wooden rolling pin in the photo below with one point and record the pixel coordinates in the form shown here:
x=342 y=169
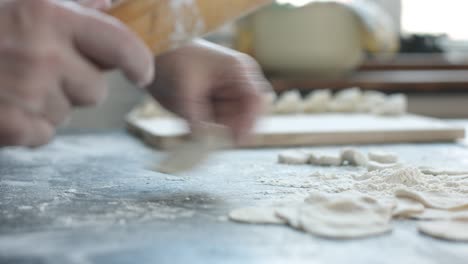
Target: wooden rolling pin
x=167 y=24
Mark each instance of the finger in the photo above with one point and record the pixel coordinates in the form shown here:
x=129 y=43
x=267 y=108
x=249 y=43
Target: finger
x=240 y=110
x=239 y=121
x=41 y=132
x=185 y=97
x=108 y=42
x=82 y=83
x=253 y=108
x=20 y=128
x=56 y=107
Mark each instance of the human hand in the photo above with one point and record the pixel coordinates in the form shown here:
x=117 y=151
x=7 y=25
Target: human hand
x=53 y=56
x=203 y=82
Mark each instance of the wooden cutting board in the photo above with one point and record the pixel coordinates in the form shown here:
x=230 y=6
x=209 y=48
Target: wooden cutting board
x=320 y=129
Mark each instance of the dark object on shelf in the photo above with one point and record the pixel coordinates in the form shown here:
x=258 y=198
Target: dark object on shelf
x=421 y=43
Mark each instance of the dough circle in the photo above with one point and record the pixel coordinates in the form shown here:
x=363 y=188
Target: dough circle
x=340 y=216
x=447 y=230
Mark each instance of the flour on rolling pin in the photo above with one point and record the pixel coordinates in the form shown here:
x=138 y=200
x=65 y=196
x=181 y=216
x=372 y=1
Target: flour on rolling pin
x=189 y=24
x=190 y=154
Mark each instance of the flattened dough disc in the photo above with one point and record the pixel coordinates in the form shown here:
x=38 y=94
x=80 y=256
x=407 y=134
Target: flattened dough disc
x=435 y=200
x=447 y=230
x=340 y=216
x=439 y=215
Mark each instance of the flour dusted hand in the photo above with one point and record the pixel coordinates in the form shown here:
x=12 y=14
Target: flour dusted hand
x=53 y=56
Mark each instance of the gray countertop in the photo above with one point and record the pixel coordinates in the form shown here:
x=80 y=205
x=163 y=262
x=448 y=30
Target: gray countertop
x=89 y=198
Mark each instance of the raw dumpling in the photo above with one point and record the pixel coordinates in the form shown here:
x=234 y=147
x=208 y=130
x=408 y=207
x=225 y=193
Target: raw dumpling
x=288 y=103
x=395 y=105
x=347 y=100
x=317 y=101
x=370 y=100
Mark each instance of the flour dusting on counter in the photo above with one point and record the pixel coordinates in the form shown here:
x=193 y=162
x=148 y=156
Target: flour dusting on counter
x=404 y=191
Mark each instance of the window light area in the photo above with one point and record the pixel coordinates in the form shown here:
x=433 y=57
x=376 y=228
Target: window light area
x=436 y=17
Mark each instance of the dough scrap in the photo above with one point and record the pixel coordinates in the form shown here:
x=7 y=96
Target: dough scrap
x=435 y=200
x=329 y=160
x=256 y=215
x=288 y=103
x=313 y=159
x=317 y=101
x=353 y=157
x=447 y=230
x=324 y=159
x=407 y=207
x=296 y=157
x=373 y=166
x=383 y=157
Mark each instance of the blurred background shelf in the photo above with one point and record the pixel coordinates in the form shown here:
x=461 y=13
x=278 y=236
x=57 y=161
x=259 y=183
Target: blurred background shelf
x=416 y=61
x=407 y=81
